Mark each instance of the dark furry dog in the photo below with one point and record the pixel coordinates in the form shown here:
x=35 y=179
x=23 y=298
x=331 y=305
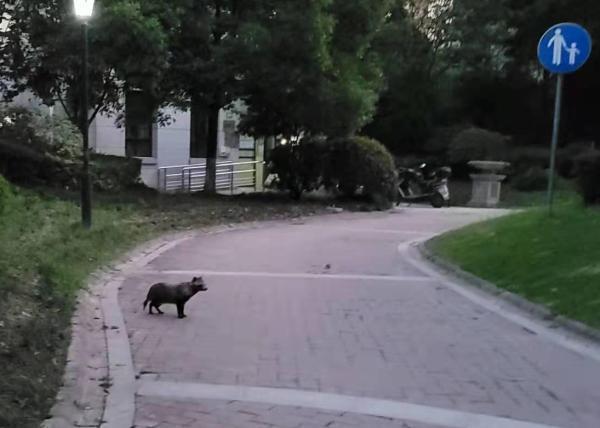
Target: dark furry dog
x=177 y=294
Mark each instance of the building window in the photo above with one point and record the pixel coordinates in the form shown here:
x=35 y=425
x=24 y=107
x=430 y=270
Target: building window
x=232 y=138
x=198 y=132
x=139 y=122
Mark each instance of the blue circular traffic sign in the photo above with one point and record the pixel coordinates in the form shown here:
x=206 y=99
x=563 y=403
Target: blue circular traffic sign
x=564 y=48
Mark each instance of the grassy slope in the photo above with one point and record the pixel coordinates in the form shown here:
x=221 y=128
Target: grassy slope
x=554 y=261
x=45 y=257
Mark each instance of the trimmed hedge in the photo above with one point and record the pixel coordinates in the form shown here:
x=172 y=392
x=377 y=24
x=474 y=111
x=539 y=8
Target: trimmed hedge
x=360 y=162
x=477 y=144
x=346 y=165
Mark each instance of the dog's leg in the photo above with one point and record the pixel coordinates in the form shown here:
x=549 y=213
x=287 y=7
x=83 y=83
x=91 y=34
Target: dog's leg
x=180 y=313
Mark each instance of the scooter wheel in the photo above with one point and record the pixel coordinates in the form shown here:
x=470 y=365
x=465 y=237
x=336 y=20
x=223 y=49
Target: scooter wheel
x=437 y=200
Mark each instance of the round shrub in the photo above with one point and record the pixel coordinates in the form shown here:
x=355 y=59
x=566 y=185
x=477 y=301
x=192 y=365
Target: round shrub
x=477 y=144
x=360 y=162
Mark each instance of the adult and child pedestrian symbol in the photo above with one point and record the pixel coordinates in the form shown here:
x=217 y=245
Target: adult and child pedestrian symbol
x=563 y=49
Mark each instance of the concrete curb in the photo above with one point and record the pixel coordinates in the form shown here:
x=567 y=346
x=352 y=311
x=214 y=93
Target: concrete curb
x=533 y=309
x=99 y=382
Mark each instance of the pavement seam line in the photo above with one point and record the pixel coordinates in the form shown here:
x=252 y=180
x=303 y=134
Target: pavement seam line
x=196 y=392
x=390 y=278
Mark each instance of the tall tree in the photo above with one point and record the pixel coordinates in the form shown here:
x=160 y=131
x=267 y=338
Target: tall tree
x=40 y=51
x=313 y=70
x=204 y=71
x=286 y=54
x=407 y=45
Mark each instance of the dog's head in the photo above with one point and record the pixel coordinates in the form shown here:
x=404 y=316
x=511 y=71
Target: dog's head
x=198 y=284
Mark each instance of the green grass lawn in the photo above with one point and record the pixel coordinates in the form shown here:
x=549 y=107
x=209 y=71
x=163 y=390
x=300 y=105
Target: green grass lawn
x=45 y=258
x=554 y=261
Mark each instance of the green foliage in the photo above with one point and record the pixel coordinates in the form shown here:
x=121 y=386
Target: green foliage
x=42 y=51
x=588 y=167
x=38 y=147
x=307 y=70
x=526 y=157
x=345 y=164
x=299 y=167
x=479 y=36
x=409 y=102
x=530 y=180
x=363 y=162
x=477 y=144
x=285 y=55
x=6 y=194
x=114 y=173
x=52 y=136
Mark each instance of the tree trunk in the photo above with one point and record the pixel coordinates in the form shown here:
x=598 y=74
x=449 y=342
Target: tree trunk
x=211 y=150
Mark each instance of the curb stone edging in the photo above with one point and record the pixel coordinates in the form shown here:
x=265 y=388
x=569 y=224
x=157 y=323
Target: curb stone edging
x=90 y=396
x=575 y=327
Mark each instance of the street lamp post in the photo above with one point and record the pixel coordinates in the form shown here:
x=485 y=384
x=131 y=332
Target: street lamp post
x=83 y=11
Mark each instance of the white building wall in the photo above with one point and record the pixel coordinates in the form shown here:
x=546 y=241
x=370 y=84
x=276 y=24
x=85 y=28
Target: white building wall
x=171 y=143
x=106 y=137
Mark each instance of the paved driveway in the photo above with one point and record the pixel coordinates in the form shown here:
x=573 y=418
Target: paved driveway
x=327 y=322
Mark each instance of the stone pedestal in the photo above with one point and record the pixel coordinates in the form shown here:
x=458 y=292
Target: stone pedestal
x=486 y=190
x=487 y=184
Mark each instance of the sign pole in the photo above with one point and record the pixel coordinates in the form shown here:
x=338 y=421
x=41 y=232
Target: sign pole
x=563 y=49
x=555 y=133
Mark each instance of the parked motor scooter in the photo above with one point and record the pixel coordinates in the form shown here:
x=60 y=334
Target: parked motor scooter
x=424 y=184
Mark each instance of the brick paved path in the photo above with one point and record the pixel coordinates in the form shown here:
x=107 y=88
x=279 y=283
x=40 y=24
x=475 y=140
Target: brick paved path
x=333 y=306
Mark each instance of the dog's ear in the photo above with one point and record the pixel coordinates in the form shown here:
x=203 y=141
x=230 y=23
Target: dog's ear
x=194 y=279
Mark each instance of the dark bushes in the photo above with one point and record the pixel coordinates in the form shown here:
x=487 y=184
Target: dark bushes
x=477 y=144
x=114 y=173
x=360 y=162
x=39 y=149
x=348 y=165
x=531 y=180
x=299 y=167
x=5 y=194
x=588 y=169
